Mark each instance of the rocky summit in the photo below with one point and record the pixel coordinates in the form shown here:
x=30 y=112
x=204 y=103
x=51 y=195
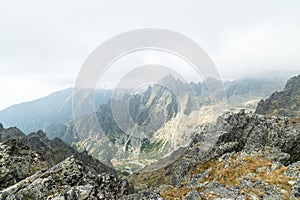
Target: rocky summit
x=286 y=102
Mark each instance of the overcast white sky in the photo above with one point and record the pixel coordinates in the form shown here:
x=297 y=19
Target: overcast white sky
x=44 y=43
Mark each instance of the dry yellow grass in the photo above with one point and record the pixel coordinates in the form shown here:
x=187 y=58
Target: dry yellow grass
x=232 y=171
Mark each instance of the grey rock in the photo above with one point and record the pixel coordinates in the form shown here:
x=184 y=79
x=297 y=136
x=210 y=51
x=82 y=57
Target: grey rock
x=295 y=192
x=149 y=194
x=70 y=179
x=285 y=103
x=293 y=170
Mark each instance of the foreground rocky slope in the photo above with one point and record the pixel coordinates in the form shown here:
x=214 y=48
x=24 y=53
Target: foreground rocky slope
x=70 y=179
x=34 y=167
x=250 y=156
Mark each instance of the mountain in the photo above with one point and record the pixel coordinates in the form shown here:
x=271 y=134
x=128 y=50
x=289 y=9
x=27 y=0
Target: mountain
x=38 y=114
x=56 y=108
x=285 y=103
x=241 y=155
x=141 y=126
x=247 y=89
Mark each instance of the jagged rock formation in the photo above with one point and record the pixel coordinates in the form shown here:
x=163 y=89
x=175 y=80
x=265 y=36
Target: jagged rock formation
x=285 y=103
x=69 y=179
x=56 y=108
x=51 y=151
x=34 y=167
x=137 y=126
x=249 y=156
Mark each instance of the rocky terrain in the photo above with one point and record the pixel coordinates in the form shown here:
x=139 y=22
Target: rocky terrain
x=250 y=156
x=285 y=103
x=34 y=167
x=242 y=156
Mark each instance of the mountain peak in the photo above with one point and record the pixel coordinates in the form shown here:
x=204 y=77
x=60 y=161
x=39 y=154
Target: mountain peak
x=285 y=102
x=169 y=78
x=293 y=84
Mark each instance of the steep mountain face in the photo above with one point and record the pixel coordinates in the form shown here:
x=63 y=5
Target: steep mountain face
x=286 y=102
x=128 y=127
x=38 y=114
x=57 y=108
x=34 y=167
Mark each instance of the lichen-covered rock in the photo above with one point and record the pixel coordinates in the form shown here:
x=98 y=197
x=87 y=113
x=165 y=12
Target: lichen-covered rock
x=70 y=179
x=293 y=170
x=34 y=167
x=149 y=194
x=17 y=162
x=251 y=133
x=295 y=192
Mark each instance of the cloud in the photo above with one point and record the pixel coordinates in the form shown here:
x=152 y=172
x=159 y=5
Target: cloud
x=49 y=40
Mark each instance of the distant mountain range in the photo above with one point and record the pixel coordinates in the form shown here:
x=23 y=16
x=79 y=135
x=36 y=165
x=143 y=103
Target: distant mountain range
x=155 y=117
x=140 y=126
x=56 y=108
x=38 y=114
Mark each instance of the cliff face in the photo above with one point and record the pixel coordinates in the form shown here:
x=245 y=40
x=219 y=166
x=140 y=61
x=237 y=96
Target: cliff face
x=285 y=103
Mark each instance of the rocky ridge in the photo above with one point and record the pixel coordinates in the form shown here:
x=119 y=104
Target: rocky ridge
x=285 y=103
x=250 y=156
x=34 y=167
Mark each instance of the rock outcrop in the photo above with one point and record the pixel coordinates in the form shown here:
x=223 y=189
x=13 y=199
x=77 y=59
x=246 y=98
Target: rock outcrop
x=285 y=103
x=244 y=156
x=69 y=179
x=34 y=167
